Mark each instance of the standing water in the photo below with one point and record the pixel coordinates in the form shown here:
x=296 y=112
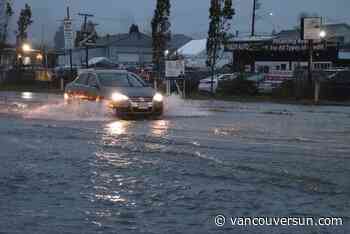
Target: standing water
x=78 y=169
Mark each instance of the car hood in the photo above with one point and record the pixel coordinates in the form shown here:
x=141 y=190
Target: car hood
x=129 y=91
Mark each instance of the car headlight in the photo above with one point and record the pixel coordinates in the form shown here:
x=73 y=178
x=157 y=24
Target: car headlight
x=118 y=97
x=158 y=97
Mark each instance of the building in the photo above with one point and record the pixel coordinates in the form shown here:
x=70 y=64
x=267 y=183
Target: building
x=132 y=48
x=285 y=51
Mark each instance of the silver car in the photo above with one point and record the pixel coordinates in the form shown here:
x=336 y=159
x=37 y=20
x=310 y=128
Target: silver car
x=125 y=92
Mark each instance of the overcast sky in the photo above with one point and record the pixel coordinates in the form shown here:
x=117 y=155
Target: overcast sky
x=188 y=16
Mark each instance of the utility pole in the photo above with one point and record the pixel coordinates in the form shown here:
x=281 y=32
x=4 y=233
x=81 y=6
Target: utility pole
x=253 y=17
x=70 y=49
x=310 y=62
x=86 y=16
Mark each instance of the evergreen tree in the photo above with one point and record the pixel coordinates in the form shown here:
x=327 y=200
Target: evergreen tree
x=160 y=33
x=220 y=14
x=8 y=14
x=23 y=23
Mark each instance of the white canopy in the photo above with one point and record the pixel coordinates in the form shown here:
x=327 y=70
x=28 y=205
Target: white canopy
x=193 y=47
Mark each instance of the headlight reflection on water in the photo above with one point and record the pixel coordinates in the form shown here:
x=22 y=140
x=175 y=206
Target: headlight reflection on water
x=118 y=127
x=160 y=127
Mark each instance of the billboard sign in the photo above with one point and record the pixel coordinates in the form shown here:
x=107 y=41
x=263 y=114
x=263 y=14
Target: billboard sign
x=68 y=34
x=311 y=28
x=174 y=68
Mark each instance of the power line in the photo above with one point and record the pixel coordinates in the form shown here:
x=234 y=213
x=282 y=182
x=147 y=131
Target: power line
x=85 y=16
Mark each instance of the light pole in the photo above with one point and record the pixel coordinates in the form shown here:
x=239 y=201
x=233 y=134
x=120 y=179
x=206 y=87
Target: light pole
x=322 y=35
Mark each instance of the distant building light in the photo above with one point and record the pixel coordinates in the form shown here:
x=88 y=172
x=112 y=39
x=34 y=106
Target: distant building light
x=26 y=61
x=39 y=57
x=27 y=95
x=166 y=53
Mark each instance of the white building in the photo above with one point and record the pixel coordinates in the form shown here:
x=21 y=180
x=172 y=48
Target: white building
x=195 y=54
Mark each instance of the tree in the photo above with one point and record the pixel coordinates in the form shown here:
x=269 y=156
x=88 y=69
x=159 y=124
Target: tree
x=220 y=15
x=23 y=23
x=8 y=14
x=160 y=33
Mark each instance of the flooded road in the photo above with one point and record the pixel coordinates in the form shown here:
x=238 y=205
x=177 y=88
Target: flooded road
x=78 y=169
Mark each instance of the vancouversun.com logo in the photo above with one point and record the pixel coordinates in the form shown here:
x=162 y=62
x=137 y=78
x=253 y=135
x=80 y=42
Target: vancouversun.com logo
x=222 y=220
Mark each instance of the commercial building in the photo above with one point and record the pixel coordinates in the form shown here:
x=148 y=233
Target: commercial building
x=285 y=51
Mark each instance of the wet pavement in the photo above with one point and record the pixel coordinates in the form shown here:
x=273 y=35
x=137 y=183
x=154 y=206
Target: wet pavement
x=78 y=169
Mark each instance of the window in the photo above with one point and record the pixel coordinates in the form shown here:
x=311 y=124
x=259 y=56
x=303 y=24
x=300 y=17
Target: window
x=116 y=79
x=283 y=67
x=82 y=79
x=136 y=80
x=92 y=80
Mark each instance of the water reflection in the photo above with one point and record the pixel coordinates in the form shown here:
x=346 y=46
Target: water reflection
x=111 y=198
x=160 y=128
x=118 y=127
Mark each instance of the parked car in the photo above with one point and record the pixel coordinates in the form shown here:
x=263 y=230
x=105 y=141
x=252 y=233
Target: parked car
x=125 y=92
x=205 y=84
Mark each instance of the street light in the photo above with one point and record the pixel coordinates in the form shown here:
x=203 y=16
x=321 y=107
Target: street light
x=323 y=34
x=26 y=47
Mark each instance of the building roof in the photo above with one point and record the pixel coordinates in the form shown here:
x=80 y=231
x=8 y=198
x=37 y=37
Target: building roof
x=194 y=47
x=294 y=34
x=135 y=38
x=179 y=40
x=253 y=39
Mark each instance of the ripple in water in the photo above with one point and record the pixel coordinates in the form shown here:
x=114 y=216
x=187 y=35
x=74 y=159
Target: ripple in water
x=85 y=111
x=92 y=111
x=177 y=107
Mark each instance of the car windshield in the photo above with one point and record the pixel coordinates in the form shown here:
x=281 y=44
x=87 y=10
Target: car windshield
x=120 y=80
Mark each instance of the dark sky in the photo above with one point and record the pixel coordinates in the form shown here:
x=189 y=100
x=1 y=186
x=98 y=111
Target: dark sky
x=188 y=16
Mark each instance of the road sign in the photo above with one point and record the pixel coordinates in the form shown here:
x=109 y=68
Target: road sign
x=68 y=34
x=311 y=28
x=174 y=68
